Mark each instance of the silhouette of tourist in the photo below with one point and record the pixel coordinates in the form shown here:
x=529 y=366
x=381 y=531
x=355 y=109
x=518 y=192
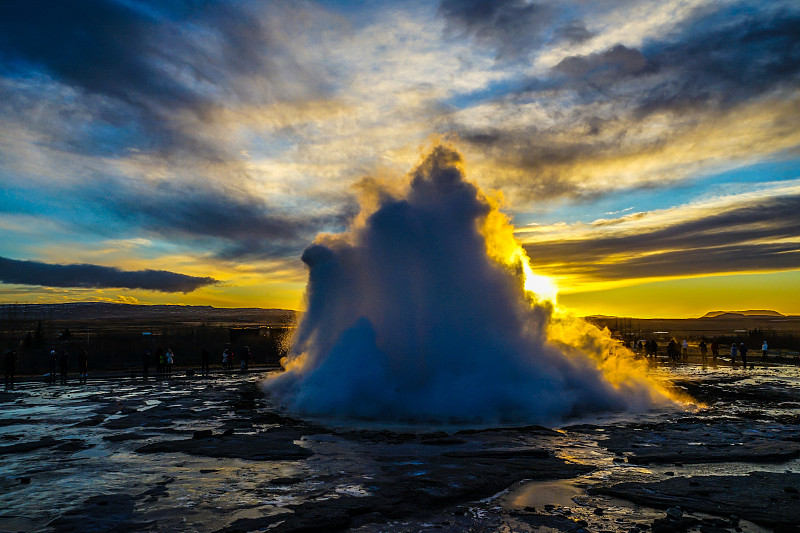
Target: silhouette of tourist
x=204 y=361
x=685 y=350
x=170 y=358
x=703 y=352
x=733 y=353
x=63 y=365
x=160 y=360
x=145 y=364
x=10 y=363
x=653 y=348
x=764 y=350
x=83 y=366
x=673 y=351
x=53 y=365
x=245 y=358
x=743 y=354
x=227 y=358
x=714 y=351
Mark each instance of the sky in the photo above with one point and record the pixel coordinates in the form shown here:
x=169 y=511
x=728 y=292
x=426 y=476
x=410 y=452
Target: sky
x=187 y=152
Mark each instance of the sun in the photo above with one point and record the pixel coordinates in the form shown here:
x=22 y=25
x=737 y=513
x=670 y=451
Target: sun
x=543 y=287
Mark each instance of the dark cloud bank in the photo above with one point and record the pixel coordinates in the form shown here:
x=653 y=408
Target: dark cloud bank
x=721 y=57
x=235 y=225
x=513 y=28
x=760 y=236
x=95 y=276
x=154 y=67
x=146 y=76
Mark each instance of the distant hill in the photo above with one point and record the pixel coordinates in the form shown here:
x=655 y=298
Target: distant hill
x=93 y=311
x=739 y=314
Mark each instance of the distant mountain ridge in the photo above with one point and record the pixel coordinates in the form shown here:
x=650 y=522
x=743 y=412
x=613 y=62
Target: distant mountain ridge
x=748 y=313
x=107 y=310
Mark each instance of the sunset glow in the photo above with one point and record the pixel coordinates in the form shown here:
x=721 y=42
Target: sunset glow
x=644 y=154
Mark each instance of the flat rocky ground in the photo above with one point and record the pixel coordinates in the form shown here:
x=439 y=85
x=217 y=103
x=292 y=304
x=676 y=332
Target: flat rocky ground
x=211 y=454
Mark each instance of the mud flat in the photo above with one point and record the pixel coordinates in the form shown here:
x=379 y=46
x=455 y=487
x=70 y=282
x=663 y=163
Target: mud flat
x=193 y=454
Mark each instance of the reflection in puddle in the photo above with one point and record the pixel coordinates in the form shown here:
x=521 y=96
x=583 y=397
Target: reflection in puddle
x=537 y=494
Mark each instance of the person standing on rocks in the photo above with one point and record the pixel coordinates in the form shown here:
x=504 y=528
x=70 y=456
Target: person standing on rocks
x=703 y=352
x=83 y=366
x=733 y=353
x=714 y=351
x=170 y=358
x=226 y=356
x=204 y=361
x=685 y=350
x=145 y=364
x=672 y=350
x=159 y=360
x=245 y=359
x=764 y=350
x=10 y=363
x=63 y=365
x=53 y=365
x=743 y=353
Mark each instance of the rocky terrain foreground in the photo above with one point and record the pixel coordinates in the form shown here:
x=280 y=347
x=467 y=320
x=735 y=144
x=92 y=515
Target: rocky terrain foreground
x=212 y=454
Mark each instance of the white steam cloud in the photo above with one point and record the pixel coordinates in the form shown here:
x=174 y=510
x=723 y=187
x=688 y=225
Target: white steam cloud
x=419 y=315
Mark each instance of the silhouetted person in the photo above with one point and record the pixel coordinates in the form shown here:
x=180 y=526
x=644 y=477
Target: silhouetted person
x=743 y=353
x=733 y=353
x=703 y=352
x=53 y=365
x=245 y=358
x=685 y=350
x=169 y=359
x=764 y=350
x=654 y=348
x=672 y=350
x=227 y=358
x=159 y=360
x=145 y=364
x=63 y=365
x=83 y=366
x=204 y=361
x=715 y=351
x=10 y=362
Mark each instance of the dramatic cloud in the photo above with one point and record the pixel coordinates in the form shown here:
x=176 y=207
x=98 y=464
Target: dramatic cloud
x=164 y=65
x=243 y=225
x=747 y=236
x=603 y=68
x=229 y=134
x=49 y=275
x=724 y=57
x=577 y=129
x=513 y=28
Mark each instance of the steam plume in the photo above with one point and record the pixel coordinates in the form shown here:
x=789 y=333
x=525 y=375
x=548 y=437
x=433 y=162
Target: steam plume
x=419 y=314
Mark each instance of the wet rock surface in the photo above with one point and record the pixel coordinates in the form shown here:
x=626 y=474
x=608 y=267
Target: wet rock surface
x=766 y=498
x=265 y=446
x=692 y=441
x=194 y=454
x=406 y=486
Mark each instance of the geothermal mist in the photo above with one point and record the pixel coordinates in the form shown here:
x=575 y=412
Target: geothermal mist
x=418 y=315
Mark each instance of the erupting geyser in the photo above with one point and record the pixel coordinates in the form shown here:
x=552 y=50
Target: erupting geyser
x=423 y=313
